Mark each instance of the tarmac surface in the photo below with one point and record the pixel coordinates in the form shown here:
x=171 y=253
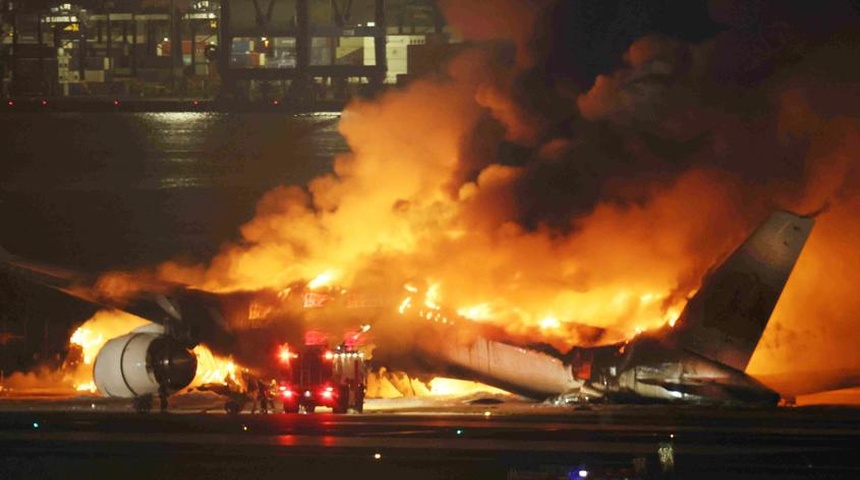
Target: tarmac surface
x=475 y=438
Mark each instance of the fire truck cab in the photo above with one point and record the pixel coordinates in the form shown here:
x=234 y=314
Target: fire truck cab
x=315 y=375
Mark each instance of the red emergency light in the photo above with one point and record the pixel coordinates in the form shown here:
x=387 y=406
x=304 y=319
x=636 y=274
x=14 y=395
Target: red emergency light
x=327 y=393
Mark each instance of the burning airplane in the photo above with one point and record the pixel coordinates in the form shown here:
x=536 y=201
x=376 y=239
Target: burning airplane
x=699 y=359
x=537 y=203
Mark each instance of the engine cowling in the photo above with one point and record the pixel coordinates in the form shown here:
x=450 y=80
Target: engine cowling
x=141 y=362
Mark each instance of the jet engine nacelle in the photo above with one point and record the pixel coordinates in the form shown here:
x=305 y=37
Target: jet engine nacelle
x=141 y=362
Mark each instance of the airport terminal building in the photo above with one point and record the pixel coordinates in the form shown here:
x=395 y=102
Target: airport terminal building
x=277 y=50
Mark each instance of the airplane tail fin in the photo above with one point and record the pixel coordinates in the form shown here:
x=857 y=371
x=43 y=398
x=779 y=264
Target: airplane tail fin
x=727 y=316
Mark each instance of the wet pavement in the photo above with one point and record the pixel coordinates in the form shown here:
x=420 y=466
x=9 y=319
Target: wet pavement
x=517 y=440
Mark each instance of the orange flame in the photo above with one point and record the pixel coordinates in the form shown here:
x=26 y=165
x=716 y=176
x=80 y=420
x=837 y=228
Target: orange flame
x=212 y=368
x=92 y=335
x=443 y=386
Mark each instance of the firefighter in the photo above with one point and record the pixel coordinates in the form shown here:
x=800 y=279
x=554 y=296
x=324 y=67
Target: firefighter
x=263 y=396
x=258 y=390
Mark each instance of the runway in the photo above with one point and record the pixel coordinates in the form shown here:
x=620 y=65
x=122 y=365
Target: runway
x=508 y=440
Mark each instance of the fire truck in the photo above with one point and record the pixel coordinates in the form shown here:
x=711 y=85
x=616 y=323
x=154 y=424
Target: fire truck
x=315 y=375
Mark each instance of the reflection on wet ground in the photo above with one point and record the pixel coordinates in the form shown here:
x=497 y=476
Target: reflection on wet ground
x=123 y=189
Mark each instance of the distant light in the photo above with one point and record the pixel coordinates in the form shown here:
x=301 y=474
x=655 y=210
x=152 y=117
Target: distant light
x=459 y=431
x=265 y=39
x=116 y=103
x=371 y=24
x=196 y=103
x=583 y=473
x=166 y=39
x=44 y=102
x=245 y=428
x=487 y=413
x=11 y=103
x=275 y=102
x=377 y=456
x=35 y=425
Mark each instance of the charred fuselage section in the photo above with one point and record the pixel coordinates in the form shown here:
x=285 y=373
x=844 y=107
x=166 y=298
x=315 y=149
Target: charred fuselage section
x=647 y=369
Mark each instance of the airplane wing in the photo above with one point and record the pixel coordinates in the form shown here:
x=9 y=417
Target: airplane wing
x=188 y=314
x=50 y=276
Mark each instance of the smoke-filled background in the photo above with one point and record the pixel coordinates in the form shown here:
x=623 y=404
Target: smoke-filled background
x=582 y=164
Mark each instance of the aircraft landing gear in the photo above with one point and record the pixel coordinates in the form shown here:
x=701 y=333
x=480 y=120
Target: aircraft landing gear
x=162 y=399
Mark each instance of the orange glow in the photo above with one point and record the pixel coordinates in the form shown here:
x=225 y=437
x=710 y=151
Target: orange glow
x=89 y=341
x=86 y=387
x=405 y=304
x=549 y=323
x=442 y=386
x=91 y=337
x=324 y=279
x=431 y=298
x=476 y=312
x=213 y=368
x=672 y=315
x=101 y=327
